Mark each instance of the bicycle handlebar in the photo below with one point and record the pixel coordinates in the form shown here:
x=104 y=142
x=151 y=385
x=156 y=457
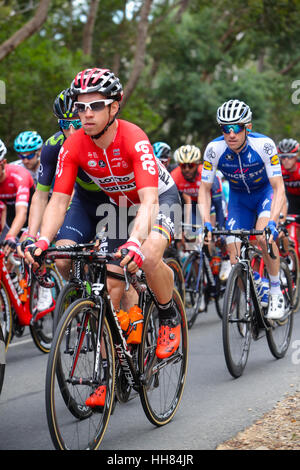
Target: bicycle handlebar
x=245 y=234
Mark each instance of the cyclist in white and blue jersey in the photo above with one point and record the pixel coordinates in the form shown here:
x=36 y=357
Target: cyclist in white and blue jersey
x=250 y=163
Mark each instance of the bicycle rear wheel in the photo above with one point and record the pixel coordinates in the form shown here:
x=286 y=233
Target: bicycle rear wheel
x=69 y=379
x=193 y=297
x=42 y=329
x=163 y=380
x=2 y=359
x=6 y=319
x=178 y=276
x=279 y=335
x=236 y=324
x=293 y=264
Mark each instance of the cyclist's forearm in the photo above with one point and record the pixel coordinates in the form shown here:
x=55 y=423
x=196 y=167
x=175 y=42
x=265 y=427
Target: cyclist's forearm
x=204 y=202
x=144 y=221
x=278 y=202
x=54 y=215
x=18 y=222
x=37 y=208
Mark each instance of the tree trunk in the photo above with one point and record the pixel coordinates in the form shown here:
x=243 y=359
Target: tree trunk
x=139 y=56
x=88 y=31
x=31 y=27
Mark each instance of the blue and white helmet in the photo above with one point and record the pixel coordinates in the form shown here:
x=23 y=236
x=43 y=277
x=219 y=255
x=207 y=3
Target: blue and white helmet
x=3 y=150
x=28 y=141
x=234 y=112
x=162 y=150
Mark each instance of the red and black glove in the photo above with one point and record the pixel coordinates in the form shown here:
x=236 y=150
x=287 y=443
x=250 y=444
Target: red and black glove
x=133 y=246
x=11 y=242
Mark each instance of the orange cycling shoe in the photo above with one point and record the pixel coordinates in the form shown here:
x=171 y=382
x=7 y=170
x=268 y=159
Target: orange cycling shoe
x=168 y=337
x=97 y=398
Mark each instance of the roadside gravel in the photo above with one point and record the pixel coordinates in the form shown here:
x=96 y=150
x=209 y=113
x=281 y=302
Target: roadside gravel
x=278 y=429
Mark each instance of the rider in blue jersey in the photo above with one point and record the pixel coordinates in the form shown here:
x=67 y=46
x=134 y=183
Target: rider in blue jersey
x=250 y=164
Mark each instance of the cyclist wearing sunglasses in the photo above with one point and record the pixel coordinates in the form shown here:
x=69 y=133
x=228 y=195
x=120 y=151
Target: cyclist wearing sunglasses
x=288 y=151
x=80 y=220
x=162 y=151
x=118 y=157
x=250 y=163
x=28 y=146
x=187 y=177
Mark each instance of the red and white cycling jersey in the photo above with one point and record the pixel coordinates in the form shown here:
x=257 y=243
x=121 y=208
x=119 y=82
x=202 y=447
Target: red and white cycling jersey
x=125 y=167
x=191 y=188
x=15 y=189
x=292 y=180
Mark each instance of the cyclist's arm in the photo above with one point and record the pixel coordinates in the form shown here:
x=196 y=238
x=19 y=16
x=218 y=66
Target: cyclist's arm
x=278 y=197
x=146 y=214
x=37 y=208
x=204 y=201
x=18 y=222
x=54 y=215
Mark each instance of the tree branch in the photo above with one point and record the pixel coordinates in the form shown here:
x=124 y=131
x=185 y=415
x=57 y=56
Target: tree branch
x=139 y=56
x=27 y=30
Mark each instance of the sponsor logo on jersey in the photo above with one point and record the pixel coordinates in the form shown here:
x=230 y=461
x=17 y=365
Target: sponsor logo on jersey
x=207 y=166
x=274 y=160
x=102 y=164
x=92 y=163
x=229 y=157
x=147 y=159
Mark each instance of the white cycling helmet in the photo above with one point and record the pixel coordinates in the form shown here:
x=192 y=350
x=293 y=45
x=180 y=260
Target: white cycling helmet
x=234 y=112
x=187 y=154
x=3 y=150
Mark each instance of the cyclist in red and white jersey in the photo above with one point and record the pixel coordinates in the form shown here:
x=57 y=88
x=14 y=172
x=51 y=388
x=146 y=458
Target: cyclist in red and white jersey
x=118 y=157
x=16 y=189
x=288 y=150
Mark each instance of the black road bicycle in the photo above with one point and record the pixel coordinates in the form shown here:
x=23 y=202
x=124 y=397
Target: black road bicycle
x=87 y=345
x=201 y=284
x=243 y=314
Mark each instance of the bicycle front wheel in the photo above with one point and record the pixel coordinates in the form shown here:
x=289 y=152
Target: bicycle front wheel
x=163 y=380
x=42 y=329
x=236 y=323
x=280 y=331
x=70 y=379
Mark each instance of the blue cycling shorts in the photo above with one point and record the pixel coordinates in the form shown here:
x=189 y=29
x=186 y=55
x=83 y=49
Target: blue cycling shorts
x=244 y=209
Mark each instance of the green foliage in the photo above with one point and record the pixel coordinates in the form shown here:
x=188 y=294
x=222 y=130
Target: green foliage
x=214 y=51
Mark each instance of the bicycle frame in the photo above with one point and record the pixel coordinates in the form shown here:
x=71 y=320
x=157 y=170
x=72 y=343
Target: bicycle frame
x=251 y=288
x=22 y=309
x=293 y=226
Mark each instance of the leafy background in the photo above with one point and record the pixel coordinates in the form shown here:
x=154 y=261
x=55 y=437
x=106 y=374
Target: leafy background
x=197 y=54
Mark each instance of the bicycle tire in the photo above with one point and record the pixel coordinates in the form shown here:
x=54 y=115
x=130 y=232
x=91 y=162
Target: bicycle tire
x=179 y=282
x=171 y=377
x=279 y=335
x=85 y=428
x=42 y=330
x=70 y=292
x=293 y=264
x=236 y=328
x=6 y=318
x=192 y=297
x=2 y=359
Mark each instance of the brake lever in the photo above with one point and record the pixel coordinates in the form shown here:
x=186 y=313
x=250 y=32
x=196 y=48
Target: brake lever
x=269 y=245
